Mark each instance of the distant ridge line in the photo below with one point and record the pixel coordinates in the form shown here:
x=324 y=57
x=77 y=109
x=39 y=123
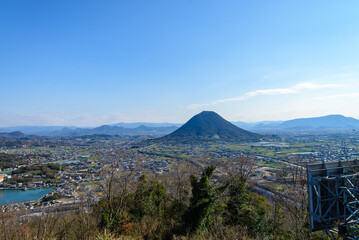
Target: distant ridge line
x=323 y=123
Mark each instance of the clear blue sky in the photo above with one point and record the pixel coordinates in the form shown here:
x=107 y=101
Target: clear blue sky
x=87 y=63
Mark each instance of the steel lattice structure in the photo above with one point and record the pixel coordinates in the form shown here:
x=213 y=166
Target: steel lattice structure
x=334 y=198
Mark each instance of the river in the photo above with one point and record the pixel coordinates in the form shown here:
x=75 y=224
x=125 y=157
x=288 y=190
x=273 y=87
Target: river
x=14 y=196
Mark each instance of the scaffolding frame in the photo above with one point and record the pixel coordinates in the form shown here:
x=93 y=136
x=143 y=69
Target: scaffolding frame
x=333 y=189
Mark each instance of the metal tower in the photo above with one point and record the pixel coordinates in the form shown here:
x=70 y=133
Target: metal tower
x=334 y=198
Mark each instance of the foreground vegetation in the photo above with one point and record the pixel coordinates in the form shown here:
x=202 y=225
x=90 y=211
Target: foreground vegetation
x=180 y=206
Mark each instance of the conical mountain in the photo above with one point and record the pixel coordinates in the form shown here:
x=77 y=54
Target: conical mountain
x=209 y=126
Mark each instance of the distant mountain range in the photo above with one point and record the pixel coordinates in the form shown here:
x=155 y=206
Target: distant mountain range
x=37 y=130
x=12 y=135
x=321 y=123
x=17 y=135
x=258 y=125
x=153 y=125
x=112 y=130
x=208 y=126
x=330 y=122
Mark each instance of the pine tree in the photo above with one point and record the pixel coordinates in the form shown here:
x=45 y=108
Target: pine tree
x=247 y=209
x=203 y=201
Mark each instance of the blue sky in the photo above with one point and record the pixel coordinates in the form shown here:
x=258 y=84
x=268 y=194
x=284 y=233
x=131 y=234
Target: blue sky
x=87 y=63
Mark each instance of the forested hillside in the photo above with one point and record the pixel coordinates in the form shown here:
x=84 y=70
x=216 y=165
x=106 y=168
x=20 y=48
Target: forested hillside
x=187 y=204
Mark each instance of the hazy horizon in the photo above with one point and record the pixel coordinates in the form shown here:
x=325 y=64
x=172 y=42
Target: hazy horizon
x=247 y=122
x=90 y=63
